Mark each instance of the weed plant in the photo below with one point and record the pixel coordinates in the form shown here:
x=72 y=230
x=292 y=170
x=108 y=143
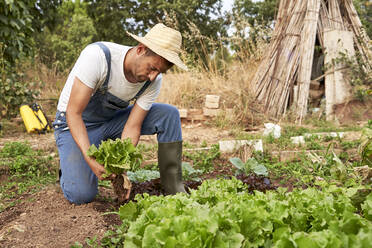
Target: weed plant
x=350 y=144
x=310 y=169
x=203 y=159
x=313 y=142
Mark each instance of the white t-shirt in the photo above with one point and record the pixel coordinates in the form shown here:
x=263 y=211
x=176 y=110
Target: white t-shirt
x=91 y=69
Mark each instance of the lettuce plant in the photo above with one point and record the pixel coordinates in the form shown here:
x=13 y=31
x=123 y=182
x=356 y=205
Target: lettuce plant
x=117 y=156
x=251 y=165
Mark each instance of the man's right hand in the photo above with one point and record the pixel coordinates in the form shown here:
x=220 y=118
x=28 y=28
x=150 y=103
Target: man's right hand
x=98 y=169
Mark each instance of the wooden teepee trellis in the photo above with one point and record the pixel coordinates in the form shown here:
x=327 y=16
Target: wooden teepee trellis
x=289 y=58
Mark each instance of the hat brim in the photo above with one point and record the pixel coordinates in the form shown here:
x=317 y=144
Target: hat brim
x=170 y=56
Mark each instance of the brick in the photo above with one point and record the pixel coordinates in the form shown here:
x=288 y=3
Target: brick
x=183 y=113
x=212 y=98
x=212 y=101
x=211 y=112
x=212 y=105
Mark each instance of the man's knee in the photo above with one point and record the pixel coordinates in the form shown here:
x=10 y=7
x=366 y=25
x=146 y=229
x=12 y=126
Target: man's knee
x=174 y=112
x=170 y=111
x=79 y=195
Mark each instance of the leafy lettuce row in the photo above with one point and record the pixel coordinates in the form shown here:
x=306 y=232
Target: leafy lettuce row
x=221 y=214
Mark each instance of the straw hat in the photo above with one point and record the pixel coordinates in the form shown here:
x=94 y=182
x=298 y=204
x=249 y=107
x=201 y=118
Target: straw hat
x=163 y=41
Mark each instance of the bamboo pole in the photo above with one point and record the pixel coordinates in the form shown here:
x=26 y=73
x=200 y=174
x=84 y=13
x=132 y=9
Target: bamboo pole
x=307 y=54
x=274 y=84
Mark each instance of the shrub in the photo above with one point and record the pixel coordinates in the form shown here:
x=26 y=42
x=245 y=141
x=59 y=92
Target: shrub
x=14 y=92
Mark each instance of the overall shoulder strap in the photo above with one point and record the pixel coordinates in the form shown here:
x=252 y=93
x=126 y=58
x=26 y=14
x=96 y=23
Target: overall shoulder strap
x=108 y=60
x=144 y=87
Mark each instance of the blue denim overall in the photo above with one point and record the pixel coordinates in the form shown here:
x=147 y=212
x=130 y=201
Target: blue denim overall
x=105 y=117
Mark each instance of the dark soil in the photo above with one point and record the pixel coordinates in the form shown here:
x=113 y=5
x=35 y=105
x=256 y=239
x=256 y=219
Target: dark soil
x=47 y=219
x=153 y=187
x=353 y=111
x=255 y=182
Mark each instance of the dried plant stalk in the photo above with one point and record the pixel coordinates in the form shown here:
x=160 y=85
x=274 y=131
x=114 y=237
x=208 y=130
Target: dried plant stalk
x=307 y=55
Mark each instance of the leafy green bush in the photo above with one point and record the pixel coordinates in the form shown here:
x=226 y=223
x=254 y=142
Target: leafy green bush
x=189 y=173
x=13 y=149
x=25 y=170
x=313 y=142
x=15 y=91
x=16 y=30
x=60 y=47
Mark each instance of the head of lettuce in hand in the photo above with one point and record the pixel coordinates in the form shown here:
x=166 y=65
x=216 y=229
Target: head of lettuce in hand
x=117 y=157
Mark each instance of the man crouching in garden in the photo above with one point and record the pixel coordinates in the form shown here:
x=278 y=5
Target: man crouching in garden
x=94 y=106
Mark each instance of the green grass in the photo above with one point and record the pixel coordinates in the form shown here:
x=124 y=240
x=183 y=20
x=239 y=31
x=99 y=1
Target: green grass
x=350 y=144
x=329 y=126
x=26 y=171
x=291 y=131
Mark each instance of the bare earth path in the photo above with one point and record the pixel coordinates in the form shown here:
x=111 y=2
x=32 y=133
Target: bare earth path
x=46 y=219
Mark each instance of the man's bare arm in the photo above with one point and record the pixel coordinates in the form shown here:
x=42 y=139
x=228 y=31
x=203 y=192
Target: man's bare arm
x=132 y=128
x=79 y=99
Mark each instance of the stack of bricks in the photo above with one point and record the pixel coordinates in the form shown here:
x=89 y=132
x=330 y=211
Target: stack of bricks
x=210 y=109
x=211 y=106
x=183 y=113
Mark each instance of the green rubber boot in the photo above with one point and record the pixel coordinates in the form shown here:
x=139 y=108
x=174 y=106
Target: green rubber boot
x=170 y=159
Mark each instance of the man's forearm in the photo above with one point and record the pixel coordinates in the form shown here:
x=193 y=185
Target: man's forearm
x=80 y=135
x=132 y=133
x=132 y=128
x=78 y=131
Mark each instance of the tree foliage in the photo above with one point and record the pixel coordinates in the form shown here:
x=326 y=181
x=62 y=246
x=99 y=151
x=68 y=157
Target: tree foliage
x=14 y=91
x=257 y=12
x=45 y=14
x=61 y=43
x=15 y=30
x=364 y=9
x=16 y=43
x=252 y=22
x=111 y=19
x=20 y=22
